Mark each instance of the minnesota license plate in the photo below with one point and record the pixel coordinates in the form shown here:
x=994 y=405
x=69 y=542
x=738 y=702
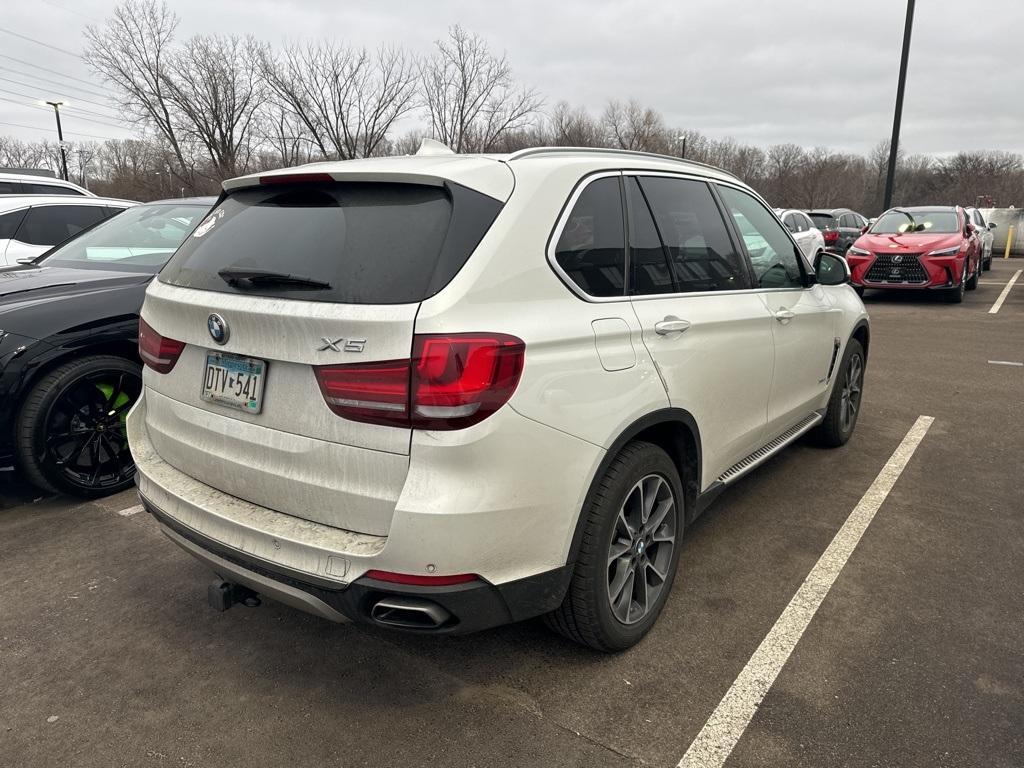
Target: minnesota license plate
x=235 y=382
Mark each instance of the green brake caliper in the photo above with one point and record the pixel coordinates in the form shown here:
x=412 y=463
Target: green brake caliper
x=122 y=398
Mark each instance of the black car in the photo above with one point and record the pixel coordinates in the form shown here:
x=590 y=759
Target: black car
x=69 y=364
x=840 y=226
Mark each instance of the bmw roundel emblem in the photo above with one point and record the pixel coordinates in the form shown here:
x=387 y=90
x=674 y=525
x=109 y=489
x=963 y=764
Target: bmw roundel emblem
x=218 y=328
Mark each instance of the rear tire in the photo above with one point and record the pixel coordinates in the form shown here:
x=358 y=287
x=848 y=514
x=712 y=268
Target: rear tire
x=69 y=434
x=845 y=401
x=611 y=602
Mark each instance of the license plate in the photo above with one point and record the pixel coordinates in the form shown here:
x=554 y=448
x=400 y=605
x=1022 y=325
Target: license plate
x=235 y=382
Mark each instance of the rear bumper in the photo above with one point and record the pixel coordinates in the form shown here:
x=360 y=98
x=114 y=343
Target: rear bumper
x=462 y=511
x=471 y=607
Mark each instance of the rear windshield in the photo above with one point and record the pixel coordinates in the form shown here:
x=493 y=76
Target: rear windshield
x=823 y=220
x=897 y=222
x=352 y=243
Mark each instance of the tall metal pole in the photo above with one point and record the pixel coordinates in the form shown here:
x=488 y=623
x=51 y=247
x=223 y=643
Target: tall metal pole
x=897 y=118
x=60 y=137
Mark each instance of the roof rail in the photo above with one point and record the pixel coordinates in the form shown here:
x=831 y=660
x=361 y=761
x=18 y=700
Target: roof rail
x=611 y=151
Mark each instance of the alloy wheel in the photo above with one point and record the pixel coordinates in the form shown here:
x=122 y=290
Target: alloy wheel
x=85 y=434
x=853 y=381
x=641 y=548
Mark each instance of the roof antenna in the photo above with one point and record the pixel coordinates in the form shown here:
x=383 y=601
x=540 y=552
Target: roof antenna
x=431 y=147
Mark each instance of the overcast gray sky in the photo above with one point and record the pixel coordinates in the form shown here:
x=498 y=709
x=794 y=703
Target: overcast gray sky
x=759 y=71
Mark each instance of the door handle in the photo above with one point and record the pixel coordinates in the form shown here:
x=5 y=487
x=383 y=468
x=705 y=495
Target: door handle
x=784 y=315
x=671 y=324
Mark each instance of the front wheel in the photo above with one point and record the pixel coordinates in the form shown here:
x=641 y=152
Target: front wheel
x=633 y=527
x=972 y=283
x=844 y=402
x=70 y=433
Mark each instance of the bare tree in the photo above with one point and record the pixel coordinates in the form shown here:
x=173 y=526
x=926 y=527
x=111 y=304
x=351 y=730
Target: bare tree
x=631 y=126
x=470 y=96
x=22 y=154
x=347 y=99
x=570 y=127
x=215 y=86
x=131 y=50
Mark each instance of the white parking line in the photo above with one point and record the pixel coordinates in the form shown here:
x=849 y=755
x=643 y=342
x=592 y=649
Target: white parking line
x=1005 y=293
x=733 y=714
x=1004 y=362
x=131 y=511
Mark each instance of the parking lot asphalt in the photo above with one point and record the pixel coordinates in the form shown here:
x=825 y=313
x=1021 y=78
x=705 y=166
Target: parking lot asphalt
x=109 y=655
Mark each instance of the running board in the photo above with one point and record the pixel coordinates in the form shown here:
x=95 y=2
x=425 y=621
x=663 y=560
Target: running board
x=768 y=450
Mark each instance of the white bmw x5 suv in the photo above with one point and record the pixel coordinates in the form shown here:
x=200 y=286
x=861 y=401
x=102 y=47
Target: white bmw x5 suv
x=445 y=392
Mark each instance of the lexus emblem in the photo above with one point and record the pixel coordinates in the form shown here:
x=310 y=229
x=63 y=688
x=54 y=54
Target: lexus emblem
x=897 y=258
x=218 y=328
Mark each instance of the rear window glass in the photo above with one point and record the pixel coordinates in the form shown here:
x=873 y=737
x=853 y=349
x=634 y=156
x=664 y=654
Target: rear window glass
x=824 y=220
x=592 y=247
x=353 y=243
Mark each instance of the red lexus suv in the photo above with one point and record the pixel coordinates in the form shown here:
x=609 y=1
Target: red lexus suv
x=927 y=247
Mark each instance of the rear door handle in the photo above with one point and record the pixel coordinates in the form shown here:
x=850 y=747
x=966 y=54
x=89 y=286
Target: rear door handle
x=671 y=324
x=784 y=315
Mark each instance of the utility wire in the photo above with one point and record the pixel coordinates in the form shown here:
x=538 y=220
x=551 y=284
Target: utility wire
x=44 y=69
x=70 y=133
x=40 y=42
x=77 y=98
x=8 y=70
x=47 y=109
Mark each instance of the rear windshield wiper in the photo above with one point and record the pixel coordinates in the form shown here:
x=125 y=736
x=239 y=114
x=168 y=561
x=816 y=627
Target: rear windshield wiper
x=236 y=276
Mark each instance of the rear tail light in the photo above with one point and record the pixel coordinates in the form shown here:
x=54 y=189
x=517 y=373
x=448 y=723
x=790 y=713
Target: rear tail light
x=831 y=235
x=296 y=178
x=158 y=352
x=451 y=382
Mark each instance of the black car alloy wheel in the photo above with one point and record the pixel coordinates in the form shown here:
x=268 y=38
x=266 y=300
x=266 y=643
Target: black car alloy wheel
x=85 y=439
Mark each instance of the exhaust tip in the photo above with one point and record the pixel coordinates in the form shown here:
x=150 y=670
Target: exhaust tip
x=409 y=613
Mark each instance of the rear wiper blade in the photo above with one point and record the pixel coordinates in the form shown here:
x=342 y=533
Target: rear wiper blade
x=237 y=275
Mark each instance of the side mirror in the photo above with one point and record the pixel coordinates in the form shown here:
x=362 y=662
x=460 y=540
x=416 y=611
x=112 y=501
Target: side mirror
x=831 y=269
x=992 y=225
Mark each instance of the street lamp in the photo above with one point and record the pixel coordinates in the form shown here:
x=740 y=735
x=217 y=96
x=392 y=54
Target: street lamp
x=682 y=144
x=900 y=88
x=60 y=137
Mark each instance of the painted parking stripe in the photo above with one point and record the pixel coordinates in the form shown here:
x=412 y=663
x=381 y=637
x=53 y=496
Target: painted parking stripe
x=733 y=714
x=131 y=511
x=1005 y=293
x=1004 y=362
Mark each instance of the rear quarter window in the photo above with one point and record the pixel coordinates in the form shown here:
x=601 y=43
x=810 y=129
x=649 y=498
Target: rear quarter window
x=372 y=243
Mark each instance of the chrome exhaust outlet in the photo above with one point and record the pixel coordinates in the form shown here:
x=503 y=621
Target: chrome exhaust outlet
x=409 y=613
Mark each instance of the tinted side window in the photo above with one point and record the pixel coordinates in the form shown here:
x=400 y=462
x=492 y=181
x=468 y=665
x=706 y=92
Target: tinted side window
x=9 y=223
x=48 y=189
x=979 y=219
x=807 y=223
x=699 y=247
x=773 y=254
x=847 y=220
x=790 y=222
x=52 y=224
x=591 y=249
x=10 y=187
x=649 y=269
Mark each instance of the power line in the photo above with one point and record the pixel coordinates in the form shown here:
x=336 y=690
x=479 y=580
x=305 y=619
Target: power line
x=40 y=42
x=19 y=73
x=45 y=109
x=77 y=98
x=70 y=133
x=68 y=10
x=44 y=69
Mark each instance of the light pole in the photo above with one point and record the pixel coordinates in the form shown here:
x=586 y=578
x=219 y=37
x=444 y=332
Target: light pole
x=60 y=137
x=682 y=144
x=895 y=140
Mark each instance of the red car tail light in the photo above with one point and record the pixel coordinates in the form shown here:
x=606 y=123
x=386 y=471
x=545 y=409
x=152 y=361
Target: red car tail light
x=376 y=393
x=158 y=352
x=830 y=235
x=462 y=379
x=452 y=382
